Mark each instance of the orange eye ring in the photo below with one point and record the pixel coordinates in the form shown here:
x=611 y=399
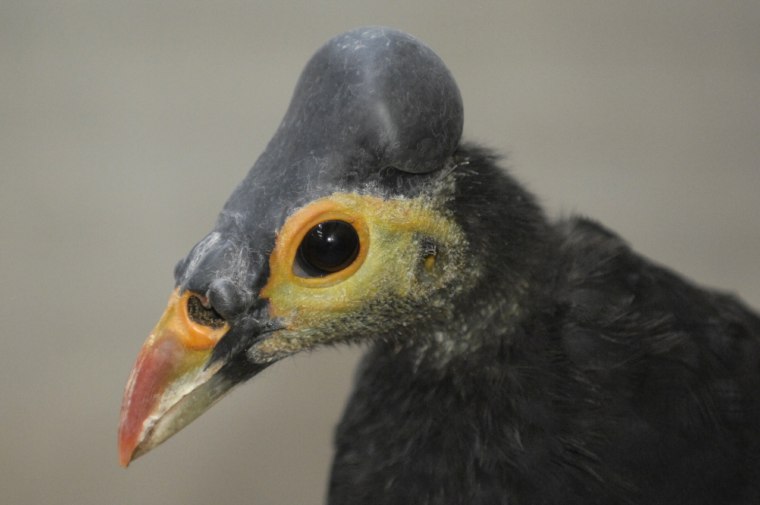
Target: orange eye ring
x=292 y=234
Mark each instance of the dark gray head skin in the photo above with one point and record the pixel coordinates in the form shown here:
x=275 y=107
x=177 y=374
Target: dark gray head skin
x=374 y=110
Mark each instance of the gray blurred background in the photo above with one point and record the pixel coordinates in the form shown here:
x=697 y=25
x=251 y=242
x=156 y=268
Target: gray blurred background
x=124 y=127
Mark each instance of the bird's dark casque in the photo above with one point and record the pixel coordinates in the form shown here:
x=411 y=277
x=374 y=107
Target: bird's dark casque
x=511 y=359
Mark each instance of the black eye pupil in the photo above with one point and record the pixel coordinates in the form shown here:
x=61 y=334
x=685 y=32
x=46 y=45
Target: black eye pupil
x=327 y=248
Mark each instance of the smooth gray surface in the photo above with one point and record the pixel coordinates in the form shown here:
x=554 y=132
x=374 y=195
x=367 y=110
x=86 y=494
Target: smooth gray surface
x=123 y=129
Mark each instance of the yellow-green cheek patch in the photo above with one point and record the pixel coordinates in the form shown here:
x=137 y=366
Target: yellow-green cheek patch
x=393 y=258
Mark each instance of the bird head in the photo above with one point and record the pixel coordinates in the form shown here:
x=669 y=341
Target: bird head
x=350 y=226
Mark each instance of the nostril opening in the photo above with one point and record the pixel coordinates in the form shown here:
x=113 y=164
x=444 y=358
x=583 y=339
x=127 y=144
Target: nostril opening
x=201 y=314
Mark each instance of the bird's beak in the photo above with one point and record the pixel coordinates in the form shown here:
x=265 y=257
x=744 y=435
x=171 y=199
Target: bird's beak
x=172 y=382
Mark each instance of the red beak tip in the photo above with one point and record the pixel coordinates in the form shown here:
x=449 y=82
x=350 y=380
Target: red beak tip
x=127 y=444
x=125 y=454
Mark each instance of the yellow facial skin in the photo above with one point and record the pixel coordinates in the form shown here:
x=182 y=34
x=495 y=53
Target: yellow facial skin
x=393 y=264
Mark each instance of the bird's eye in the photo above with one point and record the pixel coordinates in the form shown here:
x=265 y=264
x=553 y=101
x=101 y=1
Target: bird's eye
x=327 y=248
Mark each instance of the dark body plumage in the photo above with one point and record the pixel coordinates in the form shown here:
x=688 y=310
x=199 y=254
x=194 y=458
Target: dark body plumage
x=590 y=376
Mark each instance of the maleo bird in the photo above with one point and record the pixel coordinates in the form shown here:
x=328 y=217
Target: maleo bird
x=511 y=359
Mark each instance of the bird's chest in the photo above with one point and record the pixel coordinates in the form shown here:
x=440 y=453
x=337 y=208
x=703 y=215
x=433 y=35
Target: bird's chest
x=490 y=437
x=420 y=442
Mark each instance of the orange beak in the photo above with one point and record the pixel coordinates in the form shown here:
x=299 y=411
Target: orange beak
x=171 y=383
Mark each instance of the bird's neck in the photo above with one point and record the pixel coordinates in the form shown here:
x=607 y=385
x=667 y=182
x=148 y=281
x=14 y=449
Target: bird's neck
x=497 y=318
x=513 y=272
